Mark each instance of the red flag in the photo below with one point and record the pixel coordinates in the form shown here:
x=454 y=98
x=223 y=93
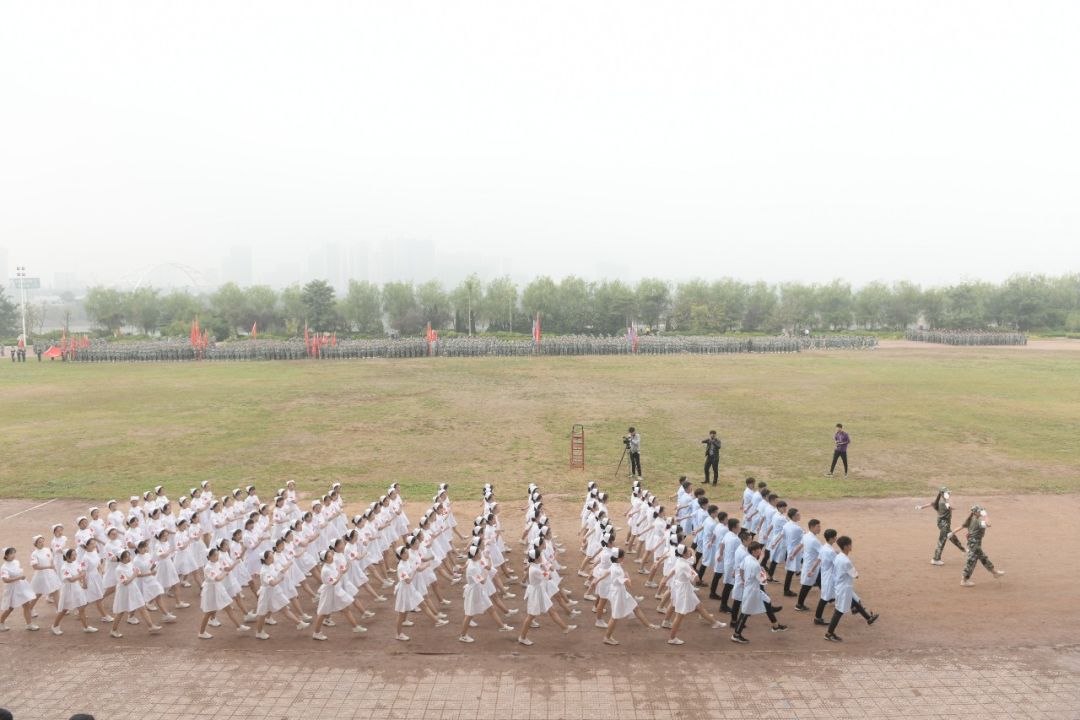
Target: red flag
x=307 y=340
x=536 y=330
x=255 y=330
x=333 y=339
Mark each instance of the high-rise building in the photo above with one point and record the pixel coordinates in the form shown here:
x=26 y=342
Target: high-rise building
x=237 y=266
x=359 y=261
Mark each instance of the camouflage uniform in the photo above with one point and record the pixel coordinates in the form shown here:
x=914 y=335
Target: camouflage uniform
x=944 y=525
x=976 y=529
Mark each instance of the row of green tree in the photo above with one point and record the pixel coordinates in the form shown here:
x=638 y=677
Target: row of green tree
x=574 y=305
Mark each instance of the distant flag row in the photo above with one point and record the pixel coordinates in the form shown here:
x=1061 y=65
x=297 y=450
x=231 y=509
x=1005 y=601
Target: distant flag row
x=316 y=341
x=432 y=338
x=199 y=338
x=536 y=334
x=632 y=337
x=70 y=346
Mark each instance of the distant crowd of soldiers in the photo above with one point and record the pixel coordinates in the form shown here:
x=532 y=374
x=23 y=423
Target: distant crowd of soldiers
x=180 y=349
x=966 y=337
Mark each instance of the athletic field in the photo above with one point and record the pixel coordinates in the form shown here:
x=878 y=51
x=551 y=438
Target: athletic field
x=998 y=425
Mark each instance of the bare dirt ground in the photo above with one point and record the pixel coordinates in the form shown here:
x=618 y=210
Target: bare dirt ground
x=1005 y=648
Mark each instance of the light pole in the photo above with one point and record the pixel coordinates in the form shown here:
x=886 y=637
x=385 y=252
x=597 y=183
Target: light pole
x=20 y=274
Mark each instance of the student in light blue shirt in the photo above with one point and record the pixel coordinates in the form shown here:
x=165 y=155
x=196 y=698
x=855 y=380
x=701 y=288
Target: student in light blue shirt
x=793 y=534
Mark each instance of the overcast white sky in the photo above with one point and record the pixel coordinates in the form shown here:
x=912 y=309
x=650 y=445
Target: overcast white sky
x=805 y=140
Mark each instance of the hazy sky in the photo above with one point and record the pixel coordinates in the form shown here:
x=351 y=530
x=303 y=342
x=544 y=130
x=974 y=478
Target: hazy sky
x=803 y=140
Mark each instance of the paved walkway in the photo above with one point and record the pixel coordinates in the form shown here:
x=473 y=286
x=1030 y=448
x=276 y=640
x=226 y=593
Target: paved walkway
x=138 y=684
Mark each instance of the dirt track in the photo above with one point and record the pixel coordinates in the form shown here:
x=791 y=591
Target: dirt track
x=921 y=606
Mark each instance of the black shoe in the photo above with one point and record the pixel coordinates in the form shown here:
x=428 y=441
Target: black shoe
x=821 y=621
x=725 y=610
x=788 y=593
x=802 y=608
x=777 y=608
x=872 y=619
x=779 y=628
x=833 y=637
x=737 y=638
x=714 y=596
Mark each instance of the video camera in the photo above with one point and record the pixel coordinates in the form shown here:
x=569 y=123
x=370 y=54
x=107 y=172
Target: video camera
x=626 y=441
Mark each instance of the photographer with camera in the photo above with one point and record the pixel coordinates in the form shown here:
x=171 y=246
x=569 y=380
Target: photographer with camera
x=712 y=456
x=632 y=441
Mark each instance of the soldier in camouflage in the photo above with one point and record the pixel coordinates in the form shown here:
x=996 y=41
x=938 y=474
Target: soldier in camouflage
x=944 y=522
x=976 y=525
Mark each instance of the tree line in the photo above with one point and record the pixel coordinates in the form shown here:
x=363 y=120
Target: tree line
x=575 y=305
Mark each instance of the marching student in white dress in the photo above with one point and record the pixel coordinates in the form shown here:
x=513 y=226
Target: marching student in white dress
x=153 y=594
x=333 y=597
x=58 y=545
x=407 y=597
x=72 y=593
x=165 y=570
x=477 y=600
x=538 y=599
x=343 y=567
x=683 y=598
x=623 y=603
x=215 y=596
x=95 y=582
x=754 y=601
x=844 y=574
x=128 y=599
x=16 y=591
x=272 y=597
x=46 y=581
x=114 y=545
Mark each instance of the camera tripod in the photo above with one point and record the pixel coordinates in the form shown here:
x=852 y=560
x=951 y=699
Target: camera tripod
x=626 y=448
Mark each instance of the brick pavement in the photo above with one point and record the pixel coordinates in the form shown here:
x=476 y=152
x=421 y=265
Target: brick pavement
x=137 y=684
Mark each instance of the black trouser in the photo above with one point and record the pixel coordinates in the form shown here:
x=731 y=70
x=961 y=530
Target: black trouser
x=839 y=455
x=805 y=590
x=715 y=583
x=713 y=462
x=726 y=594
x=635 y=463
x=837 y=615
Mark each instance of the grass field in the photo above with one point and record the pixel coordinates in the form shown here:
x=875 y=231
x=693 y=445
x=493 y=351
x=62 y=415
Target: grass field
x=982 y=421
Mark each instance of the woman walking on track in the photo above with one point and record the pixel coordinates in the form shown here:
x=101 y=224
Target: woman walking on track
x=976 y=525
x=538 y=599
x=623 y=603
x=16 y=592
x=944 y=523
x=683 y=598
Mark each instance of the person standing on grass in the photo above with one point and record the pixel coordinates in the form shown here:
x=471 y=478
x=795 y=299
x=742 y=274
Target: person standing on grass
x=712 y=456
x=635 y=451
x=842 y=440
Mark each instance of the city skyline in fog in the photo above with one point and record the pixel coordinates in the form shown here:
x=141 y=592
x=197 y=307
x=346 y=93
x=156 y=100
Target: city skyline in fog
x=930 y=142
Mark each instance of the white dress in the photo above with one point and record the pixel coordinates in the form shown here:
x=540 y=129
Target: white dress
x=112 y=556
x=214 y=595
x=95 y=583
x=406 y=597
x=271 y=598
x=45 y=581
x=477 y=600
x=332 y=597
x=58 y=545
x=72 y=595
x=148 y=585
x=166 y=573
x=753 y=600
x=683 y=597
x=622 y=602
x=537 y=599
x=15 y=594
x=184 y=560
x=128 y=598
x=844 y=574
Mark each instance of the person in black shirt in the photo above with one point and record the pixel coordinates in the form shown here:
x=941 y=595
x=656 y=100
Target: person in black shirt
x=712 y=456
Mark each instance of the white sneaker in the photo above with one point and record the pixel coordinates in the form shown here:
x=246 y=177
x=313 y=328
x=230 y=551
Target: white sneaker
x=465 y=639
x=33 y=627
x=206 y=636
x=168 y=618
x=368 y=614
x=89 y=629
x=328 y=623
x=525 y=641
x=115 y=634
x=132 y=620
x=719 y=624
x=56 y=631
x=513 y=611
x=185 y=584
x=4 y=628
x=107 y=618
x=675 y=641
x=600 y=624
x=444 y=602
x=303 y=625
x=250 y=617
x=534 y=624
x=318 y=636
x=936 y=562
x=966 y=583
x=473 y=623
x=242 y=628
x=506 y=628
x=402 y=637
x=262 y=636
x=214 y=622
x=407 y=623
x=359 y=629
x=610 y=641
x=271 y=621
x=568 y=629
x=440 y=623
